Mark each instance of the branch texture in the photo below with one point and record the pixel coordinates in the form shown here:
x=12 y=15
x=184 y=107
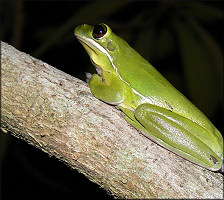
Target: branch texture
x=57 y=114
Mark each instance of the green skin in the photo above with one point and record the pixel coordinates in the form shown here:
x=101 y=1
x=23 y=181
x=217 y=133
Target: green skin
x=149 y=102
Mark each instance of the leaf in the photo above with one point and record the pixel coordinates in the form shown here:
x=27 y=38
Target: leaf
x=204 y=11
x=164 y=44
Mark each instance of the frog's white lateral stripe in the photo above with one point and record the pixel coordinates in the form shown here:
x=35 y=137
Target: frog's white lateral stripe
x=98 y=46
x=102 y=49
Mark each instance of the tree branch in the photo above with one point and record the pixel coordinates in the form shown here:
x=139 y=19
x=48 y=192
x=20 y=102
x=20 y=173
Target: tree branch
x=57 y=114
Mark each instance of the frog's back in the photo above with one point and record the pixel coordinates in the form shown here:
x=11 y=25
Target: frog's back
x=146 y=80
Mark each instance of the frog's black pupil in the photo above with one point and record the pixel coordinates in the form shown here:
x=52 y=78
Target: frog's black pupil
x=99 y=31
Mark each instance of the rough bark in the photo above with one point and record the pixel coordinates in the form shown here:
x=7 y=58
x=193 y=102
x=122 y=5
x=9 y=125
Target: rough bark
x=57 y=114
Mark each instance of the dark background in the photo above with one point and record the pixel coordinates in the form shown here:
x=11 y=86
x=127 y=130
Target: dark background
x=183 y=40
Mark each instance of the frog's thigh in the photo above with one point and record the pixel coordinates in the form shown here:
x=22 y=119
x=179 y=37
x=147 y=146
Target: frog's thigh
x=109 y=88
x=175 y=132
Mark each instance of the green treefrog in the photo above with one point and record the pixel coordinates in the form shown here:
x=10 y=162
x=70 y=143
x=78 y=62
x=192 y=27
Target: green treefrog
x=148 y=101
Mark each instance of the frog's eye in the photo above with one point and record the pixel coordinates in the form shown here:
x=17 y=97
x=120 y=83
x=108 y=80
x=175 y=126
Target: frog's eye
x=99 y=31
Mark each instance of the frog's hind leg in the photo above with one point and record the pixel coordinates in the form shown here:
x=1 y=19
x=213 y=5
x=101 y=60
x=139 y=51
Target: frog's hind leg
x=180 y=135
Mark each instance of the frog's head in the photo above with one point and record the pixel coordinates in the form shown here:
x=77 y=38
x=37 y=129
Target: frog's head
x=102 y=45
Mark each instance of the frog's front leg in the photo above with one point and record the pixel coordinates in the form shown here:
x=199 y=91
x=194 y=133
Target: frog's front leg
x=107 y=88
x=180 y=135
